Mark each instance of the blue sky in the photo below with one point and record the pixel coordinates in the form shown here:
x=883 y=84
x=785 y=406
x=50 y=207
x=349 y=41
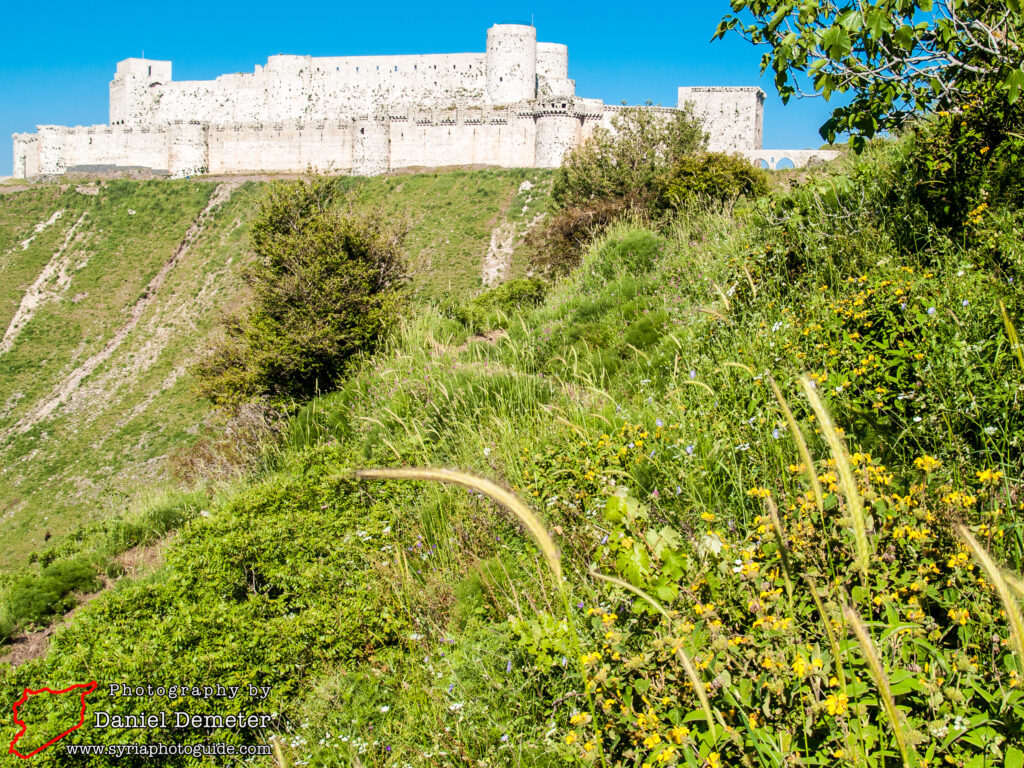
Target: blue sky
x=58 y=57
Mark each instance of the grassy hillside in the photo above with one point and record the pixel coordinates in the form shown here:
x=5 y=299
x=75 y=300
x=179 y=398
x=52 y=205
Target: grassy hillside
x=106 y=305
x=784 y=586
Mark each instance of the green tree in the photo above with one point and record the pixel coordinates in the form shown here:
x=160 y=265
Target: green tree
x=713 y=179
x=628 y=160
x=893 y=58
x=617 y=171
x=325 y=286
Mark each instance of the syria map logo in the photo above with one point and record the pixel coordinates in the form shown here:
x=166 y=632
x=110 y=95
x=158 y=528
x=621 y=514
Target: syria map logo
x=75 y=691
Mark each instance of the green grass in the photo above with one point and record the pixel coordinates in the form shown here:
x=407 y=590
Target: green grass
x=406 y=623
x=452 y=216
x=87 y=461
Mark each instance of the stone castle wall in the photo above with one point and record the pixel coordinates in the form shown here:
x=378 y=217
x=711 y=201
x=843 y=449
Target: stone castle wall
x=511 y=106
x=732 y=116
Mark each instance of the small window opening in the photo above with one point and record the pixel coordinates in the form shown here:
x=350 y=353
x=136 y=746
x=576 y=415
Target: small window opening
x=396 y=67
x=151 y=70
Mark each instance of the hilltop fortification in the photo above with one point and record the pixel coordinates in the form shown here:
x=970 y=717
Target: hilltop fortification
x=511 y=106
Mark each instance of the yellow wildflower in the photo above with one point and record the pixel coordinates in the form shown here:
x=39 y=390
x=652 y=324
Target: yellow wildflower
x=678 y=733
x=837 y=703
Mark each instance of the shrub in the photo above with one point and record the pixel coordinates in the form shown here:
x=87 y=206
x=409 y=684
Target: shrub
x=485 y=310
x=712 y=179
x=557 y=247
x=634 y=253
x=966 y=161
x=325 y=287
x=7 y=627
x=646 y=331
x=35 y=598
x=74 y=575
x=513 y=295
x=628 y=159
x=613 y=173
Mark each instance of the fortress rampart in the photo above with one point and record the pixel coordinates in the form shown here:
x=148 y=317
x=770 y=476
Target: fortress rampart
x=511 y=106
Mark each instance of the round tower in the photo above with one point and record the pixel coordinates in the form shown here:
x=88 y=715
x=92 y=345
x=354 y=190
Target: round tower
x=553 y=71
x=557 y=133
x=511 y=63
x=553 y=61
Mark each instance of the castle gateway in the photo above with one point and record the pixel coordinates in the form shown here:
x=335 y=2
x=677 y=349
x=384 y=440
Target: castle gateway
x=511 y=106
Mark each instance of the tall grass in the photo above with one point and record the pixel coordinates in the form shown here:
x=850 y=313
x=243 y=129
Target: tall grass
x=1003 y=589
x=881 y=681
x=684 y=659
x=854 y=504
x=493 y=491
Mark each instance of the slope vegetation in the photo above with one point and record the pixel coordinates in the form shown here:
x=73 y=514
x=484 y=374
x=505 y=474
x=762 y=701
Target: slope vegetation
x=774 y=592
x=108 y=291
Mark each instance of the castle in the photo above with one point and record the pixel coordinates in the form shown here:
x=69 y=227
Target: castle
x=511 y=106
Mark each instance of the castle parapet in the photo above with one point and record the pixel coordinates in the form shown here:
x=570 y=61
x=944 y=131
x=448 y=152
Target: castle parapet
x=513 y=105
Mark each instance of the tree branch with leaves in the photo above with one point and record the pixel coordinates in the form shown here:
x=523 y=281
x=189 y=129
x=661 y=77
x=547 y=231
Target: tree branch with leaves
x=895 y=58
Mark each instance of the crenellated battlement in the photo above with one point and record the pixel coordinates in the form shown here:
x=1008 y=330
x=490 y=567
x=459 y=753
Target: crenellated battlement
x=512 y=105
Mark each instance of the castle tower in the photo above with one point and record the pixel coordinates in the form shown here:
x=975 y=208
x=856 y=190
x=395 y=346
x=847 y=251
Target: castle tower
x=733 y=117
x=129 y=90
x=511 y=63
x=553 y=71
x=557 y=132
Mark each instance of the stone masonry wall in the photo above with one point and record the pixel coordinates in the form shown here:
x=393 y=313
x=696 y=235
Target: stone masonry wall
x=732 y=116
x=511 y=106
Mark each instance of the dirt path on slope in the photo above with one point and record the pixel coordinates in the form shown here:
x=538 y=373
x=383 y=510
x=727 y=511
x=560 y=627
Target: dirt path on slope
x=499 y=252
x=41 y=227
x=74 y=380
x=56 y=270
x=504 y=239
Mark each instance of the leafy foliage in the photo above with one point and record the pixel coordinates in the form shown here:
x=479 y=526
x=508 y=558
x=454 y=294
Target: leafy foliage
x=894 y=58
x=968 y=160
x=37 y=597
x=713 y=179
x=275 y=584
x=759 y=615
x=627 y=160
x=324 y=289
x=617 y=172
